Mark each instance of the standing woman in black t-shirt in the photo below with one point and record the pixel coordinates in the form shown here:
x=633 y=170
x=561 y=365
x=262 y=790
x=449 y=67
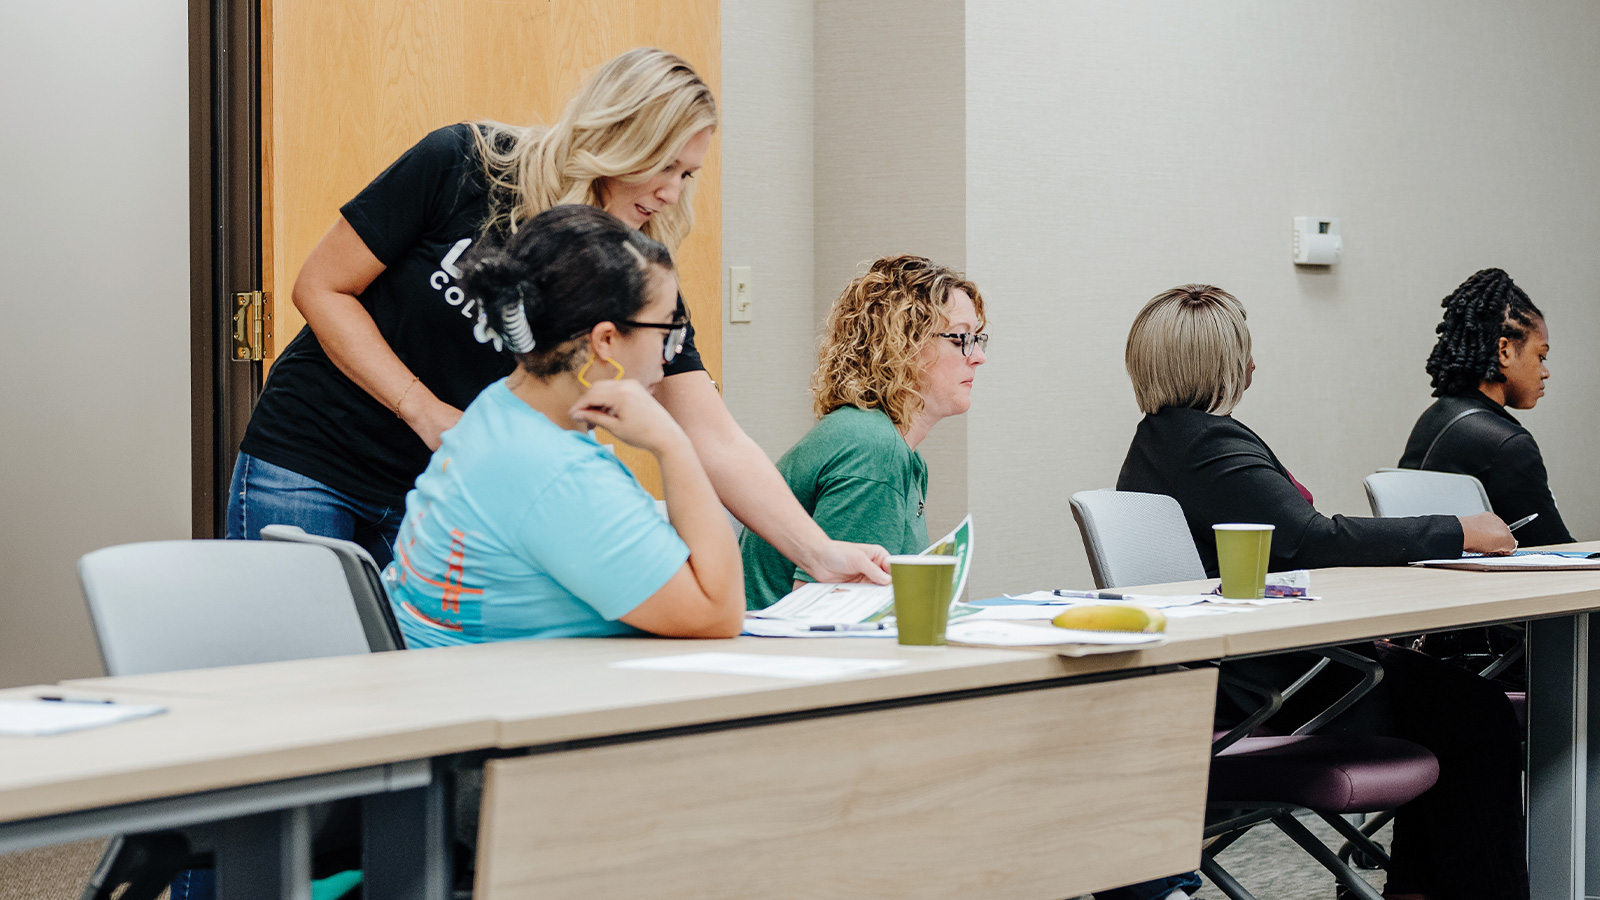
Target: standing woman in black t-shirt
x=1490 y=356
x=394 y=349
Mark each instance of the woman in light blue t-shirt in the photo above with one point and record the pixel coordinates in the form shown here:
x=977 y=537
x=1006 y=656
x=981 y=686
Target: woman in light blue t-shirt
x=524 y=526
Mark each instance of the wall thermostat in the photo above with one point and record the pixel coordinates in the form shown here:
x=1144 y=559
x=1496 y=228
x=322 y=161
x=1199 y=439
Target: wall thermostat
x=1317 y=241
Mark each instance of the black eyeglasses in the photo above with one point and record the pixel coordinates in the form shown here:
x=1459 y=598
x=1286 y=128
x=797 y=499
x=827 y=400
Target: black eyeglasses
x=967 y=340
x=677 y=332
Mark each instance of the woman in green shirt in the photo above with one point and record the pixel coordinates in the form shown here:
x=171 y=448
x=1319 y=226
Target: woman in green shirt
x=899 y=352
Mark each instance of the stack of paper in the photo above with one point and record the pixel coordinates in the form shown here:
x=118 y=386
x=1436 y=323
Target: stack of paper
x=1524 y=562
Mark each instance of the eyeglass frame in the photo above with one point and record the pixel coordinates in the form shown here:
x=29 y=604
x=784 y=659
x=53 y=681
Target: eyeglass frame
x=967 y=340
x=677 y=334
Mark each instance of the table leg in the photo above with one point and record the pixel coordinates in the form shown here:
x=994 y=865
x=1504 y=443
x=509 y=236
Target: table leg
x=407 y=842
x=265 y=856
x=1558 y=756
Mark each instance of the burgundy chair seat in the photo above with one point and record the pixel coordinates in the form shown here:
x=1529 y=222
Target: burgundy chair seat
x=1328 y=773
x=1519 y=705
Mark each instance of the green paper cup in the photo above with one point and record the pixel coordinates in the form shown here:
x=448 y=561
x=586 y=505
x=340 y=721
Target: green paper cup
x=922 y=586
x=1242 y=554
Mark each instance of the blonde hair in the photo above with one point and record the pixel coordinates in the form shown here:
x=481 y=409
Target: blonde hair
x=875 y=334
x=1189 y=347
x=630 y=120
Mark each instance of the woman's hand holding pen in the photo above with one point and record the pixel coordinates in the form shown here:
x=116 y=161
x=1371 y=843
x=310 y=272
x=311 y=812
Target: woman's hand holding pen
x=1486 y=533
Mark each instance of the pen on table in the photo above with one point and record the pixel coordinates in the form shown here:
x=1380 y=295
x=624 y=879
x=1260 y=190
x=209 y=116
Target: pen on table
x=75 y=700
x=1088 y=595
x=857 y=626
x=1521 y=522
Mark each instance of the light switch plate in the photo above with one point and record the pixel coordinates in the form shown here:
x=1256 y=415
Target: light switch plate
x=740 y=296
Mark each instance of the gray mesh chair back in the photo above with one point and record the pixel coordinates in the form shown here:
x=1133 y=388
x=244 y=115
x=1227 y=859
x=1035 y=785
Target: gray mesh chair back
x=366 y=584
x=1417 y=492
x=1135 y=538
x=168 y=605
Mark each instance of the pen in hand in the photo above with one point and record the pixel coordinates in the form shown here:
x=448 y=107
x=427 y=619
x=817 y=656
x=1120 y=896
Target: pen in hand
x=1521 y=522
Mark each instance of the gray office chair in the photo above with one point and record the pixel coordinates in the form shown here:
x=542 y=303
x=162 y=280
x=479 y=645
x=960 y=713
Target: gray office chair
x=1416 y=492
x=366 y=584
x=1135 y=538
x=169 y=605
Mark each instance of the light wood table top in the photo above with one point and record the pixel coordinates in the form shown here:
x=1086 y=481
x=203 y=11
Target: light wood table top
x=1364 y=603
x=204 y=743
x=545 y=691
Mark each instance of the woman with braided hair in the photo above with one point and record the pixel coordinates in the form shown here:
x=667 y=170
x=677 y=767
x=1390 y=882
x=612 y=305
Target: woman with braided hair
x=1490 y=356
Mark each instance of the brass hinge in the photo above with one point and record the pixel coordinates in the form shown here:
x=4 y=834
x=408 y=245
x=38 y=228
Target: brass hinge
x=252 y=326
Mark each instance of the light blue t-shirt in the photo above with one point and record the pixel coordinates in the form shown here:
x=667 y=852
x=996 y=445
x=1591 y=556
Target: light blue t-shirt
x=522 y=529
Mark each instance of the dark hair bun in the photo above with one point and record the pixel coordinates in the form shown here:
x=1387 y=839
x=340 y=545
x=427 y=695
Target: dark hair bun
x=563 y=272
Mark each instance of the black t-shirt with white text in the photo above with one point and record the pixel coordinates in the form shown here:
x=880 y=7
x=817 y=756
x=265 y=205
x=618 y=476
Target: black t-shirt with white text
x=418 y=218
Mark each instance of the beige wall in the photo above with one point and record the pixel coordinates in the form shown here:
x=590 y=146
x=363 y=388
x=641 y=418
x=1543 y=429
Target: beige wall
x=94 y=352
x=1114 y=150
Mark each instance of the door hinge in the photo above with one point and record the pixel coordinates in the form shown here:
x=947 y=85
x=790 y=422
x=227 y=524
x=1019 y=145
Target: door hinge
x=252 y=326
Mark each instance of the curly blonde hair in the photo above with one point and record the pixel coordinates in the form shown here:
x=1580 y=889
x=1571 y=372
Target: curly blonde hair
x=873 y=339
x=629 y=121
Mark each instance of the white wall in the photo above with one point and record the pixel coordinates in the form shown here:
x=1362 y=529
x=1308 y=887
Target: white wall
x=767 y=215
x=1115 y=150
x=94 y=351
x=1118 y=150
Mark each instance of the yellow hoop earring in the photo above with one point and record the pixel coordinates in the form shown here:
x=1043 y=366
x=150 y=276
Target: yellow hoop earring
x=585 y=382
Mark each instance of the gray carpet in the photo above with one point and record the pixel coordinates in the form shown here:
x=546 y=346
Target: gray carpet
x=1268 y=864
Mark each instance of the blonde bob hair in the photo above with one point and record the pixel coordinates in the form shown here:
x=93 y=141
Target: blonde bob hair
x=873 y=339
x=629 y=121
x=1189 y=347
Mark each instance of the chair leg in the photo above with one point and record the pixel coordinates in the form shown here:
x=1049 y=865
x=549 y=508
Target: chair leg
x=108 y=861
x=1319 y=851
x=1359 y=840
x=1224 y=881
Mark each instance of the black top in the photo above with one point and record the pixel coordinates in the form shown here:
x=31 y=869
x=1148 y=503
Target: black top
x=418 y=218
x=1494 y=448
x=1220 y=471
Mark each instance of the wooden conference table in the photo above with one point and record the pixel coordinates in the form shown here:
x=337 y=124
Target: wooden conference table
x=966 y=771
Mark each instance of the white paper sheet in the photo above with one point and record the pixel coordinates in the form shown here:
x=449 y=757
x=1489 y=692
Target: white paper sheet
x=800 y=668
x=1016 y=634
x=39 y=717
x=1016 y=612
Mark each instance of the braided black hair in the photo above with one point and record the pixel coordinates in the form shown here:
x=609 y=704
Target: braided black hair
x=1485 y=308
x=564 y=272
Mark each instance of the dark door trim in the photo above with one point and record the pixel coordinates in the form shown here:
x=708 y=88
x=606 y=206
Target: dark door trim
x=224 y=238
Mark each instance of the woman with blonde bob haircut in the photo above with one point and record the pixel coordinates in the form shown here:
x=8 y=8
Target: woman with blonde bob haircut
x=1189 y=358
x=900 y=349
x=396 y=347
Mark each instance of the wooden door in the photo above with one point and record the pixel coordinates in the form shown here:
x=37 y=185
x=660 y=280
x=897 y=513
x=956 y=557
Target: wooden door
x=347 y=86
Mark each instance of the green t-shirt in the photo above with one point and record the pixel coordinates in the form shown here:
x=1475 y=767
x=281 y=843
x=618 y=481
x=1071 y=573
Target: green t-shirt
x=855 y=475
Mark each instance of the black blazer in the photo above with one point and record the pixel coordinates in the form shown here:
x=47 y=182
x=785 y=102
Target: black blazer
x=1494 y=448
x=1220 y=471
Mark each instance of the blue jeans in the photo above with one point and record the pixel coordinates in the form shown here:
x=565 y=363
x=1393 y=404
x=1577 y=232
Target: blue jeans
x=265 y=494
x=1153 y=890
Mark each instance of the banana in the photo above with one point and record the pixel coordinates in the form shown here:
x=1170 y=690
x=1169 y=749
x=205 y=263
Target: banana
x=1108 y=617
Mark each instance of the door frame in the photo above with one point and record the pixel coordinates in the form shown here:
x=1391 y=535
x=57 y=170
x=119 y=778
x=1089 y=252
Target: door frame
x=224 y=239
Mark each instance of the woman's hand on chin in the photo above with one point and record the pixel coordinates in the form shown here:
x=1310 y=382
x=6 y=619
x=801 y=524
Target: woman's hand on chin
x=626 y=409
